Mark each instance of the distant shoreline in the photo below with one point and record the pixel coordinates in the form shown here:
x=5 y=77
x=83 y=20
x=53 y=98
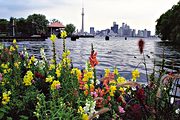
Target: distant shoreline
x=10 y=39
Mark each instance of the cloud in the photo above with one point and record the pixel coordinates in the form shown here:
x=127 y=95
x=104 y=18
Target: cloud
x=24 y=7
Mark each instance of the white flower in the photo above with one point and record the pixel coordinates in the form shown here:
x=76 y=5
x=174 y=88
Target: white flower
x=43 y=55
x=172 y=100
x=87 y=107
x=91 y=81
x=133 y=88
x=177 y=111
x=41 y=64
x=165 y=88
x=97 y=82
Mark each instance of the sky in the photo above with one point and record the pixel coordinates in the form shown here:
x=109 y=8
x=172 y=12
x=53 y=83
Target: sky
x=100 y=14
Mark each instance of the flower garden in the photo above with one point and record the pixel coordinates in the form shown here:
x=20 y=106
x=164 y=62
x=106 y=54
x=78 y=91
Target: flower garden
x=32 y=89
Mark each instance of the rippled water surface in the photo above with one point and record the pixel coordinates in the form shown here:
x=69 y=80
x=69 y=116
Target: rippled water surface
x=124 y=54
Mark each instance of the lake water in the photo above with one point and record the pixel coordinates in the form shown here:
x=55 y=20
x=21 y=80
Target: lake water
x=124 y=54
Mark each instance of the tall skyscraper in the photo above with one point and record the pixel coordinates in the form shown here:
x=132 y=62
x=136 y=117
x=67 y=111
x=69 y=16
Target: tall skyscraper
x=92 y=32
x=114 y=28
x=82 y=29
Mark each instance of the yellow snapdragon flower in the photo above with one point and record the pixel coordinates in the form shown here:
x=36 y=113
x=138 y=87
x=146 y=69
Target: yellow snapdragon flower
x=28 y=78
x=77 y=71
x=112 y=90
x=12 y=48
x=49 y=78
x=16 y=64
x=66 y=61
x=90 y=74
x=53 y=37
x=135 y=74
x=122 y=90
x=55 y=85
x=14 y=41
x=33 y=58
x=5 y=66
x=66 y=53
x=6 y=70
x=51 y=66
x=107 y=71
x=58 y=72
x=80 y=110
x=63 y=34
x=86 y=86
x=85 y=117
x=6 y=97
x=116 y=71
x=121 y=80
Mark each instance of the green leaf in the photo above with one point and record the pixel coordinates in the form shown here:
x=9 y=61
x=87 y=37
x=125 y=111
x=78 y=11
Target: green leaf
x=1 y=115
x=22 y=117
x=9 y=118
x=3 y=110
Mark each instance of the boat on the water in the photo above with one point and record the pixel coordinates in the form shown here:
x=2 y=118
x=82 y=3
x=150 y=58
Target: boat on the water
x=107 y=37
x=74 y=37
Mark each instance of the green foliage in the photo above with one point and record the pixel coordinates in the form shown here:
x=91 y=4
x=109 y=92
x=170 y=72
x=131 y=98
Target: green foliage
x=3 y=25
x=53 y=109
x=168 y=25
x=21 y=27
x=34 y=24
x=39 y=23
x=54 y=20
x=70 y=28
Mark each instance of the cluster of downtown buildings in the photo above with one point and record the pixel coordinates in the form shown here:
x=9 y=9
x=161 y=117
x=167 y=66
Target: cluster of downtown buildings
x=123 y=31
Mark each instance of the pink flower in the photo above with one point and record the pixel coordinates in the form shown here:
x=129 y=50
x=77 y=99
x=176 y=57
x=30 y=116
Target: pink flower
x=0 y=77
x=57 y=86
x=33 y=81
x=94 y=94
x=121 y=109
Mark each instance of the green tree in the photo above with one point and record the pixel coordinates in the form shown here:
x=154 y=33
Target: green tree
x=54 y=20
x=4 y=26
x=22 y=27
x=38 y=23
x=70 y=28
x=168 y=25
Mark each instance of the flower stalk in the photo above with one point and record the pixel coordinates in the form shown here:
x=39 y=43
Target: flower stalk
x=141 y=50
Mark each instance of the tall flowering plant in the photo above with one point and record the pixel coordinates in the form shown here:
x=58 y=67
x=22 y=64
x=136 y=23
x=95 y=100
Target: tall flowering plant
x=53 y=39
x=93 y=62
x=141 y=45
x=63 y=36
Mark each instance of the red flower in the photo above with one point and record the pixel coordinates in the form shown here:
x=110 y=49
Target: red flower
x=39 y=75
x=140 y=94
x=136 y=112
x=93 y=60
x=141 y=45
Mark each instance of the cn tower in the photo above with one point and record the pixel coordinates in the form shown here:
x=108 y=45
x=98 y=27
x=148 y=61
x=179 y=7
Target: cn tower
x=82 y=29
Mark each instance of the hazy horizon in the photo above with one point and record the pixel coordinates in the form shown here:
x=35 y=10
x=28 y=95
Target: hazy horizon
x=138 y=14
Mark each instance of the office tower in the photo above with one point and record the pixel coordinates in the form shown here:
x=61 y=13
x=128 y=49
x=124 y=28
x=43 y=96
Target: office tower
x=92 y=32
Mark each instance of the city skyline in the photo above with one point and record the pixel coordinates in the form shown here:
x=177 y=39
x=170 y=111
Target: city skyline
x=121 y=30
x=139 y=14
